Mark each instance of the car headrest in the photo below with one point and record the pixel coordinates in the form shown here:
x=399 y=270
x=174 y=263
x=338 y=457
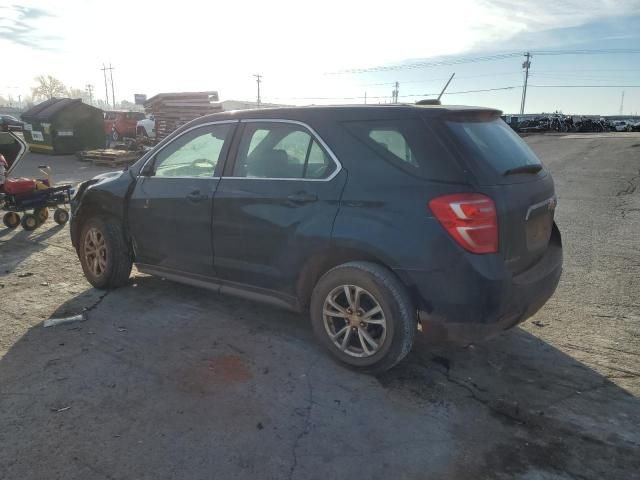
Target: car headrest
x=273 y=163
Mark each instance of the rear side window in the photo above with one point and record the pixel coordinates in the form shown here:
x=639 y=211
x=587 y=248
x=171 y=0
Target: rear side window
x=492 y=143
x=409 y=145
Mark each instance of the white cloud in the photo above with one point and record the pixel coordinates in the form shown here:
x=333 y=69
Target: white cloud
x=194 y=44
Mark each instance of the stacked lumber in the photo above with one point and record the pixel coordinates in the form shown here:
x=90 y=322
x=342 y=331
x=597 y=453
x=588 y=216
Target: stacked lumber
x=172 y=110
x=109 y=157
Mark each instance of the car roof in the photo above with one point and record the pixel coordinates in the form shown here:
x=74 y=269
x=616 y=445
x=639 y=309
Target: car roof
x=343 y=112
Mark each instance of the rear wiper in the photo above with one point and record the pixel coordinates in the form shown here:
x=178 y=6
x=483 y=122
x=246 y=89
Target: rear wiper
x=531 y=168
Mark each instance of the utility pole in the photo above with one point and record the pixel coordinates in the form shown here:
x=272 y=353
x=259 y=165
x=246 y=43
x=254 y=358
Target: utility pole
x=113 y=95
x=526 y=65
x=106 y=90
x=394 y=94
x=89 y=88
x=622 y=103
x=258 y=80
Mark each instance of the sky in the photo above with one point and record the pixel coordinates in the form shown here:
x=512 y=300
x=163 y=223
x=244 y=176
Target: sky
x=307 y=51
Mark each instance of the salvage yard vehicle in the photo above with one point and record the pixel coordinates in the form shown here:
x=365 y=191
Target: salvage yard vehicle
x=121 y=124
x=382 y=222
x=146 y=127
x=9 y=122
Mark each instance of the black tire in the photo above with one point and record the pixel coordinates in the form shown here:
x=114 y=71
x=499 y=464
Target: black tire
x=11 y=219
x=29 y=222
x=117 y=258
x=61 y=216
x=142 y=132
x=385 y=289
x=42 y=213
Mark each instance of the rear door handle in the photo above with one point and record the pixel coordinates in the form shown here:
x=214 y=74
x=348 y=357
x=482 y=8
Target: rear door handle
x=196 y=196
x=302 y=197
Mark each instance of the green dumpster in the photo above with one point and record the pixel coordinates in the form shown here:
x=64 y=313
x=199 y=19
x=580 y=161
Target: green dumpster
x=63 y=126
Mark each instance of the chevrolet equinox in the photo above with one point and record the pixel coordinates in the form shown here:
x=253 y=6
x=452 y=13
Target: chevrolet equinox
x=383 y=222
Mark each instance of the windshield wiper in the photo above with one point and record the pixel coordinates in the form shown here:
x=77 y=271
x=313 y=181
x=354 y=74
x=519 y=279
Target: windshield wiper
x=531 y=168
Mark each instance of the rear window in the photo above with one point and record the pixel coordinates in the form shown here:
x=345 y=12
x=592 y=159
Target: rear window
x=492 y=142
x=407 y=144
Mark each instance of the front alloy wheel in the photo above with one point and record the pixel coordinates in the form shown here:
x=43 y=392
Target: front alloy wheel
x=95 y=252
x=354 y=321
x=104 y=253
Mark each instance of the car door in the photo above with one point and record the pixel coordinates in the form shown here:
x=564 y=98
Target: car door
x=275 y=205
x=170 y=208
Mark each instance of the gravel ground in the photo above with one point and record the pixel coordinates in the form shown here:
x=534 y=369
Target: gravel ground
x=167 y=381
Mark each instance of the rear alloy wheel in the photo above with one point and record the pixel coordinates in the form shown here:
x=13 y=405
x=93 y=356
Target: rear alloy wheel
x=364 y=316
x=11 y=219
x=354 y=321
x=103 y=253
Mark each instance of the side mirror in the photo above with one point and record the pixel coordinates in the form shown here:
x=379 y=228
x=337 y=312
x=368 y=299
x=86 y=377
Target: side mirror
x=147 y=169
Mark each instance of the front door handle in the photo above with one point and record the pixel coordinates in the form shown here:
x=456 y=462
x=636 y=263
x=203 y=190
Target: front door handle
x=196 y=196
x=302 y=197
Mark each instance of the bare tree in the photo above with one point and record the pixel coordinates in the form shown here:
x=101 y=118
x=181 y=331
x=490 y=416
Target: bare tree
x=48 y=87
x=78 y=93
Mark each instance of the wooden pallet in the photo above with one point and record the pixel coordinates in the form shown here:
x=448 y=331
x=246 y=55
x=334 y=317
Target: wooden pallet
x=109 y=157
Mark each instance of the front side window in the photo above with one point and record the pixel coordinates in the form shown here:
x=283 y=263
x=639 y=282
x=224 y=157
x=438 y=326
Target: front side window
x=280 y=150
x=194 y=154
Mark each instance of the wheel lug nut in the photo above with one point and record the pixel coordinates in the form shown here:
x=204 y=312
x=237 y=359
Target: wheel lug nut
x=362 y=324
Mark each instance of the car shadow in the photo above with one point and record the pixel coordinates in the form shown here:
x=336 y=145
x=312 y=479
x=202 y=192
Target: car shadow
x=22 y=244
x=167 y=381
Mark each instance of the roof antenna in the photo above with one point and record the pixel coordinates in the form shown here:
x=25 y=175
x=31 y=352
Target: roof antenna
x=445 y=87
x=436 y=101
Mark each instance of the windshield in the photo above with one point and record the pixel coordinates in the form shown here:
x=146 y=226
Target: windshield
x=494 y=143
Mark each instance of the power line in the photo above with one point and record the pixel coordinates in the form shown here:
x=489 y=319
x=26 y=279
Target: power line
x=609 y=51
x=443 y=63
x=383 y=97
x=585 y=86
x=486 y=58
x=438 y=79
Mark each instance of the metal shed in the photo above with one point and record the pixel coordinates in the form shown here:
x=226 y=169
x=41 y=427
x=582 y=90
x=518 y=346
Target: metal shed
x=63 y=126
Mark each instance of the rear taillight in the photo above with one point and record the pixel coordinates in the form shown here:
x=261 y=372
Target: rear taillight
x=470 y=218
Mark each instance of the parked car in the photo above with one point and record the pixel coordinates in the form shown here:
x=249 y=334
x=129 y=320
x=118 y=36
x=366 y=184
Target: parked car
x=146 y=127
x=8 y=122
x=621 y=125
x=380 y=221
x=121 y=124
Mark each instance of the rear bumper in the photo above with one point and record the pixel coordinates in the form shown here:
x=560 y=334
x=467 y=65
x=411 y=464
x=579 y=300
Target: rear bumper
x=469 y=304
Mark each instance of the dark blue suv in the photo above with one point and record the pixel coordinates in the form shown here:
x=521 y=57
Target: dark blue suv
x=382 y=221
